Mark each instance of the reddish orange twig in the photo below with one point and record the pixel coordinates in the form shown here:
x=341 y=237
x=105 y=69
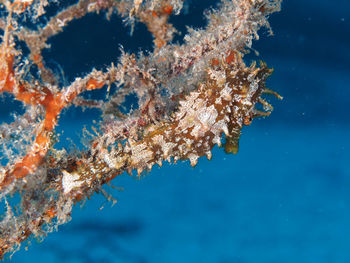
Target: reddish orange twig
x=53 y=105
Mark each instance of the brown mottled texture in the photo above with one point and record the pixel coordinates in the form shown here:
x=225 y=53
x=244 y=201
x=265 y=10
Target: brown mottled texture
x=190 y=98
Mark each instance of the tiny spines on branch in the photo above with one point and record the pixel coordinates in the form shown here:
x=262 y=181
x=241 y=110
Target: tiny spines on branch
x=189 y=98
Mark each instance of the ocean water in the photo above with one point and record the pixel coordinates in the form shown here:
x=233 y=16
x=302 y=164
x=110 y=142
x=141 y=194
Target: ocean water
x=283 y=198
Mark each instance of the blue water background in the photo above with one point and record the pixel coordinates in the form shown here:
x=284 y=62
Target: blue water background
x=283 y=198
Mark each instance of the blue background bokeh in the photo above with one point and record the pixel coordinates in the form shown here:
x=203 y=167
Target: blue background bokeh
x=283 y=198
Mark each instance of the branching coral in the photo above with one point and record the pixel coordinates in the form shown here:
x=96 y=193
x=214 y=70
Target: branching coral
x=188 y=95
